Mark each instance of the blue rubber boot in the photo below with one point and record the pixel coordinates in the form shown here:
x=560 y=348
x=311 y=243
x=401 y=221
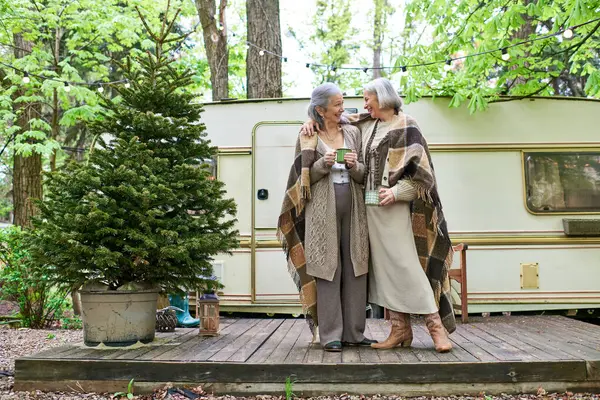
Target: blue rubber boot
x=184 y=319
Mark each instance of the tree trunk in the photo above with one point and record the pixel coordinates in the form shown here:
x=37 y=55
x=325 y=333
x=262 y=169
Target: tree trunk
x=378 y=26
x=523 y=33
x=263 y=73
x=27 y=170
x=215 y=43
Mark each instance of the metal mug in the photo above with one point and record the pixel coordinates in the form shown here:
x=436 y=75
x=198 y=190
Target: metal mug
x=340 y=153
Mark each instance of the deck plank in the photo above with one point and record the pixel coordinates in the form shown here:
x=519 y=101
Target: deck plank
x=587 y=347
x=506 y=350
x=165 y=339
x=285 y=345
x=272 y=342
x=204 y=350
x=480 y=354
x=501 y=331
x=255 y=341
x=300 y=348
x=242 y=340
x=560 y=339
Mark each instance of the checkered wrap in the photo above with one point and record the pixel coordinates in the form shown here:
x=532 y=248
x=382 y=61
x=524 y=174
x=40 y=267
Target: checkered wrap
x=291 y=225
x=407 y=155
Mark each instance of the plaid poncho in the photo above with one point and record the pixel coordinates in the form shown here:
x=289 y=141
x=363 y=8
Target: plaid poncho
x=291 y=225
x=407 y=155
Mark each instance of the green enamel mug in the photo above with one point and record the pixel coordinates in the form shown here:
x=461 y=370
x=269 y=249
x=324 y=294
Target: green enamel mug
x=340 y=153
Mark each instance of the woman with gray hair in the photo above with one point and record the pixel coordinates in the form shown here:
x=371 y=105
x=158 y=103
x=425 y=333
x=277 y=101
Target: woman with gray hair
x=322 y=224
x=410 y=247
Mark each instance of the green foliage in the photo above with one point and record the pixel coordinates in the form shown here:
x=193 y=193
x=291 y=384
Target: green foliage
x=333 y=37
x=72 y=41
x=73 y=323
x=144 y=208
x=39 y=302
x=129 y=393
x=553 y=66
x=289 y=388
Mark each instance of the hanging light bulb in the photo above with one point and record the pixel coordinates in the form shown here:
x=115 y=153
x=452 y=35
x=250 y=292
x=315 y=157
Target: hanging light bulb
x=284 y=59
x=448 y=65
x=26 y=78
x=307 y=65
x=505 y=55
x=127 y=85
x=403 y=70
x=100 y=89
x=568 y=33
x=332 y=71
x=366 y=70
x=261 y=53
x=67 y=87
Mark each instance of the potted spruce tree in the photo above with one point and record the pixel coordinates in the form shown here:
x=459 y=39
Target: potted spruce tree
x=143 y=213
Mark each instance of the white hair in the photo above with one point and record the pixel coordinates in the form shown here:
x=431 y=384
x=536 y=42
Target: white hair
x=386 y=94
x=320 y=98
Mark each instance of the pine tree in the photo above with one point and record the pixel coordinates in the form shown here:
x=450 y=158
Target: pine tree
x=144 y=207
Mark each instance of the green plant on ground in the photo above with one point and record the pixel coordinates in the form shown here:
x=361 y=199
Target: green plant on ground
x=72 y=323
x=129 y=393
x=40 y=303
x=289 y=388
x=144 y=209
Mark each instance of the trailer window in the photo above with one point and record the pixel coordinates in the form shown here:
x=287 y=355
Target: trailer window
x=562 y=182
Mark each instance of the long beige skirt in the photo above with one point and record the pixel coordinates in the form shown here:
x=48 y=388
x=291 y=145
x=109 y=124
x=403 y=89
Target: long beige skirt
x=396 y=279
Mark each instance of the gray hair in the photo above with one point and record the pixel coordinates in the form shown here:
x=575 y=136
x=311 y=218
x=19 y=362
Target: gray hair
x=386 y=94
x=320 y=98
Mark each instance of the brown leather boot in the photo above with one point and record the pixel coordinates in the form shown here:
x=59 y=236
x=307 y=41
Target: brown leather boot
x=438 y=333
x=401 y=333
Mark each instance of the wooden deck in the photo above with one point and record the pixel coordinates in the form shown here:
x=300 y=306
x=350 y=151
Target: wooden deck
x=492 y=355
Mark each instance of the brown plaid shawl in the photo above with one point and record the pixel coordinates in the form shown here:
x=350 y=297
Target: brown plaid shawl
x=291 y=225
x=407 y=154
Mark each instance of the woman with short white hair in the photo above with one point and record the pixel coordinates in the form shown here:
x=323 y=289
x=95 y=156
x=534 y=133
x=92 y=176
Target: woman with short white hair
x=410 y=248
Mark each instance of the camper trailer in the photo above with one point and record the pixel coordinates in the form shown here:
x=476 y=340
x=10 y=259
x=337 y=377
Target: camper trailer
x=520 y=185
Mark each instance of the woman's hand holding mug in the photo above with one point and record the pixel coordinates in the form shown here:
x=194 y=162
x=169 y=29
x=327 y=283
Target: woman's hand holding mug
x=350 y=159
x=386 y=196
x=329 y=158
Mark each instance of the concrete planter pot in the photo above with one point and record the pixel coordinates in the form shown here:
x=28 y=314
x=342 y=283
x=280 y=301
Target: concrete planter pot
x=118 y=318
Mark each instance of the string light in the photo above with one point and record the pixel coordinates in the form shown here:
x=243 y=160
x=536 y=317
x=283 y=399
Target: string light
x=366 y=70
x=403 y=70
x=567 y=33
x=261 y=53
x=448 y=65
